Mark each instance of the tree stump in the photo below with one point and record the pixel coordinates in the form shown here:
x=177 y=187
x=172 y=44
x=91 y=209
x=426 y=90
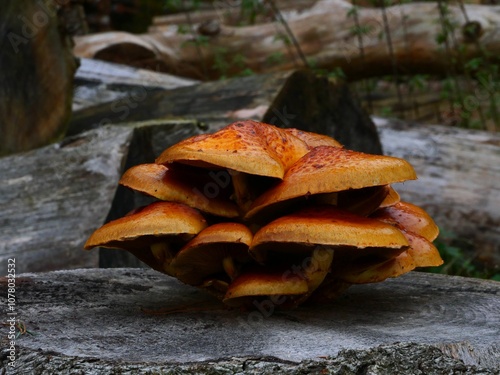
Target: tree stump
x=93 y=321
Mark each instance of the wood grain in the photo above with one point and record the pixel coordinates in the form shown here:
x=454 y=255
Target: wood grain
x=92 y=320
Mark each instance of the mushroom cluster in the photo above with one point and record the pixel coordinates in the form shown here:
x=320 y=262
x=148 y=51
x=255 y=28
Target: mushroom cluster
x=254 y=212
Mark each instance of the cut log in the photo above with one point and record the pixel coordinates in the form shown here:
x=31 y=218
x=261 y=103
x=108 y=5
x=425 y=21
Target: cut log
x=37 y=68
x=93 y=322
x=286 y=99
x=328 y=36
x=52 y=198
x=458 y=173
x=97 y=82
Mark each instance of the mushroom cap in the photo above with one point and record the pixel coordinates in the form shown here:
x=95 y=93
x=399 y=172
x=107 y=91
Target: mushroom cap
x=328 y=169
x=313 y=139
x=244 y=146
x=327 y=225
x=259 y=282
x=421 y=253
x=391 y=198
x=203 y=256
x=176 y=185
x=156 y=220
x=360 y=273
x=410 y=217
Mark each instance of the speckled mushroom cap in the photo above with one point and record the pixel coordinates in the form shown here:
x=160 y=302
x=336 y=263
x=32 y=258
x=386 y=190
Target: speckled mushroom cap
x=328 y=169
x=244 y=146
x=313 y=140
x=169 y=183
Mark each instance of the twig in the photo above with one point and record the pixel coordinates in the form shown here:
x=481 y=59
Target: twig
x=296 y=44
x=391 y=53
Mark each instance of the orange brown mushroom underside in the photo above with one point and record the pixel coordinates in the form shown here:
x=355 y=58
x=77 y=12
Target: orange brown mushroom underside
x=257 y=212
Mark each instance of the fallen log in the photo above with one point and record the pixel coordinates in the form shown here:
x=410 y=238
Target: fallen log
x=286 y=99
x=94 y=322
x=97 y=82
x=328 y=35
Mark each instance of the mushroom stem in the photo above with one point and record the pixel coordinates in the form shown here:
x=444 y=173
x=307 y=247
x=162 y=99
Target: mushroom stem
x=217 y=288
x=230 y=267
x=318 y=267
x=242 y=194
x=327 y=198
x=161 y=251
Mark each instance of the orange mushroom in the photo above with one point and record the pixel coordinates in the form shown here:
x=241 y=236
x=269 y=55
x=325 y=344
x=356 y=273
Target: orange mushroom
x=313 y=140
x=324 y=217
x=149 y=232
x=245 y=146
x=409 y=217
x=271 y=283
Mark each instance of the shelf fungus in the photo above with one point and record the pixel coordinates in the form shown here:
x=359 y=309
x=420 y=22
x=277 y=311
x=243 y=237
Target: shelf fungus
x=254 y=212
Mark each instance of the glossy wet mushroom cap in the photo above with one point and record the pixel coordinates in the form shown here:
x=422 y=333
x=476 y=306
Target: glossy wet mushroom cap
x=157 y=219
x=409 y=217
x=391 y=198
x=278 y=285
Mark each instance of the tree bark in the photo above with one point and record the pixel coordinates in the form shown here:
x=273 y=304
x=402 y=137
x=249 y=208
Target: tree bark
x=37 y=68
x=328 y=37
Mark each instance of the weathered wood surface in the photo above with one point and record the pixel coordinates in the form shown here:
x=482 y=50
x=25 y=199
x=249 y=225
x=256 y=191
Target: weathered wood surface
x=52 y=198
x=98 y=82
x=215 y=103
x=327 y=34
x=91 y=321
x=458 y=179
x=298 y=99
x=37 y=68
